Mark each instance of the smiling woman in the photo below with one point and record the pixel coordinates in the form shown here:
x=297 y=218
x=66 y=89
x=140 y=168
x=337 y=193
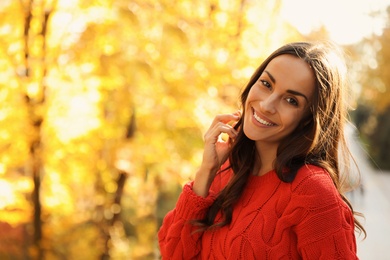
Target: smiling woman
x=273 y=189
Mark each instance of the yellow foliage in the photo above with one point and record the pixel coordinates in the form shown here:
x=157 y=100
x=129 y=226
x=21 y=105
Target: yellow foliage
x=14 y=207
x=125 y=91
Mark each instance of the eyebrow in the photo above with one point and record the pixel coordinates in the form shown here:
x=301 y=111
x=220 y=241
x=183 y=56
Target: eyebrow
x=289 y=90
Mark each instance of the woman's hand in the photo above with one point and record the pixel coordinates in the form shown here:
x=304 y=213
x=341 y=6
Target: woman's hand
x=215 y=151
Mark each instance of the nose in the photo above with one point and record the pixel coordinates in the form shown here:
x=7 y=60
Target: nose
x=268 y=104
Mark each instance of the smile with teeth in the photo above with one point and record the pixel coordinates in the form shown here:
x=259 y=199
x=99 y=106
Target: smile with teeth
x=261 y=121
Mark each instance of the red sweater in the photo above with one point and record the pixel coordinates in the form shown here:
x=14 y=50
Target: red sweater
x=305 y=219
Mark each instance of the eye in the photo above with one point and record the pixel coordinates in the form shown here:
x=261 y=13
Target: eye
x=265 y=83
x=292 y=101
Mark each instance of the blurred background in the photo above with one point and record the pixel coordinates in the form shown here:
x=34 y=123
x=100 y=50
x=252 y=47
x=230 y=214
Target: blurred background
x=103 y=105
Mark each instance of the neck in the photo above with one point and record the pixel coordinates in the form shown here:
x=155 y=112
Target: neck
x=266 y=157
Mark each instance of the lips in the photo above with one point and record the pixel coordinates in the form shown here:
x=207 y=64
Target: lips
x=261 y=120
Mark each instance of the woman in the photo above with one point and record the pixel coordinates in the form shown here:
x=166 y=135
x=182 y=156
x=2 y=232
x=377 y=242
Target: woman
x=274 y=189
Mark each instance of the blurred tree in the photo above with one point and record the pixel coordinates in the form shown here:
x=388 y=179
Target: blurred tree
x=27 y=52
x=373 y=110
x=104 y=103
x=377 y=88
x=32 y=76
x=380 y=140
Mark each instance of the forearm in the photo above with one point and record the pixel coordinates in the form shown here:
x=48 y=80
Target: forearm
x=202 y=181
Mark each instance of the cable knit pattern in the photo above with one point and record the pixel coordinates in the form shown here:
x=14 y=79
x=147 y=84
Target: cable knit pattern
x=305 y=219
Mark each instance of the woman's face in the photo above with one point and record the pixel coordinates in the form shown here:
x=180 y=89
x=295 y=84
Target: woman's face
x=279 y=100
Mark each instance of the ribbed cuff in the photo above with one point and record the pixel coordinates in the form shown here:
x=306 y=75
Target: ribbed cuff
x=190 y=206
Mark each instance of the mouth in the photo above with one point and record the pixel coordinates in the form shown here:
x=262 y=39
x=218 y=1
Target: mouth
x=261 y=120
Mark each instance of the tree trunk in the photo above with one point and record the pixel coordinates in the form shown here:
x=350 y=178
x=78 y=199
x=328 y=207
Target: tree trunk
x=121 y=181
x=34 y=105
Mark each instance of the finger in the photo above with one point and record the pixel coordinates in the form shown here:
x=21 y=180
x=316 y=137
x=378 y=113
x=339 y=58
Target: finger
x=221 y=128
x=226 y=118
x=237 y=113
x=228 y=136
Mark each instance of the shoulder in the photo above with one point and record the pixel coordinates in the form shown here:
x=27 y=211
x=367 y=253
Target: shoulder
x=315 y=185
x=309 y=175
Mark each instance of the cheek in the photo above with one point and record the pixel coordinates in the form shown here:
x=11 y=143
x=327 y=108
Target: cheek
x=249 y=99
x=246 y=117
x=292 y=120
x=254 y=93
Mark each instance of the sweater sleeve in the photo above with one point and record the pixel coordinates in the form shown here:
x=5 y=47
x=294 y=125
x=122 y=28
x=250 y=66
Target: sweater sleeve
x=326 y=226
x=177 y=236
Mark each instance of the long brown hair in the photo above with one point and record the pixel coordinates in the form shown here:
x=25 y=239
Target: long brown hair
x=316 y=140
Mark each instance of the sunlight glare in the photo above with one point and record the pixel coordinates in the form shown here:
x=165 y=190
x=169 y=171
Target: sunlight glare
x=222 y=19
x=60 y=198
x=33 y=89
x=222 y=56
x=7 y=194
x=81 y=115
x=212 y=91
x=347 y=21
